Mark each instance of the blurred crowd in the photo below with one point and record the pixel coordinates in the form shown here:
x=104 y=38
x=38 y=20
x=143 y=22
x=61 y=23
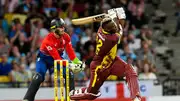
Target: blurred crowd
x=24 y=24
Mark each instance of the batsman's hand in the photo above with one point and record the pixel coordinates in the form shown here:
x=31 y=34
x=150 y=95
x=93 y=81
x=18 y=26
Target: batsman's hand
x=76 y=68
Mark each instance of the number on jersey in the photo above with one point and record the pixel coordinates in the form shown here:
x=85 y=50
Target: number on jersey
x=98 y=45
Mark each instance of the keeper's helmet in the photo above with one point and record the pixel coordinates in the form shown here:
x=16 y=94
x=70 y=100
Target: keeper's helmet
x=57 y=23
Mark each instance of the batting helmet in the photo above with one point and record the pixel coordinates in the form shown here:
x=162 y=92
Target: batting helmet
x=58 y=22
x=109 y=25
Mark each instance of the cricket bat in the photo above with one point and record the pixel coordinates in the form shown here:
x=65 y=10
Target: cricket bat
x=90 y=19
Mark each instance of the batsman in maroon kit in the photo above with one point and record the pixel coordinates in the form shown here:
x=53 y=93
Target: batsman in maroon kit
x=106 y=63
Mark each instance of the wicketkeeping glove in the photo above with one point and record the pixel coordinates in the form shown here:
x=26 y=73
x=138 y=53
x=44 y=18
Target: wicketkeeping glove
x=77 y=66
x=76 y=61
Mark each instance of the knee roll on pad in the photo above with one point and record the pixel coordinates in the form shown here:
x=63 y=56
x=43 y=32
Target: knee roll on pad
x=37 y=77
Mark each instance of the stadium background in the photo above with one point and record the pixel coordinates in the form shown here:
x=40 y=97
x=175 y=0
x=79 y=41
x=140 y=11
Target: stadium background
x=150 y=42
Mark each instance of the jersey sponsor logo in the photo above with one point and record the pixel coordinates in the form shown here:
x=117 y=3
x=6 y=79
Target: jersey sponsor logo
x=49 y=48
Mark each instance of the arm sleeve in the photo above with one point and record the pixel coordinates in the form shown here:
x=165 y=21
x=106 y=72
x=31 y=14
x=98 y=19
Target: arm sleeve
x=69 y=49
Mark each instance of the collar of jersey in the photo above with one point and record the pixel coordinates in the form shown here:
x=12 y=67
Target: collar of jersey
x=104 y=31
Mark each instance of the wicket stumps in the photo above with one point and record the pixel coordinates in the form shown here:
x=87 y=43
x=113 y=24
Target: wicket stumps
x=67 y=88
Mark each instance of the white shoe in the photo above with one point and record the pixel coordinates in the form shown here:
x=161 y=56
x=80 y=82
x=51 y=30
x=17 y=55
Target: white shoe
x=25 y=100
x=137 y=99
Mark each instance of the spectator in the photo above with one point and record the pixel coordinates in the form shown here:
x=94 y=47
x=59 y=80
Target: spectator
x=38 y=34
x=90 y=54
x=134 y=43
x=132 y=62
x=22 y=76
x=135 y=31
x=126 y=28
x=32 y=62
x=16 y=29
x=15 y=73
x=74 y=35
x=5 y=5
x=4 y=25
x=92 y=41
x=5 y=69
x=147 y=74
x=136 y=5
x=105 y=6
x=20 y=45
x=67 y=11
x=137 y=17
x=4 y=44
x=23 y=61
x=48 y=7
x=127 y=53
x=139 y=20
x=86 y=37
x=25 y=7
x=12 y=5
x=146 y=35
x=144 y=53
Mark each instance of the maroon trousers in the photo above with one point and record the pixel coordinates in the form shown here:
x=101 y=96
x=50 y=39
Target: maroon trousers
x=119 y=68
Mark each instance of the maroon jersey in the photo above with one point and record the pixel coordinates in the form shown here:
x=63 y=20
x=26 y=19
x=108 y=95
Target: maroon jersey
x=106 y=48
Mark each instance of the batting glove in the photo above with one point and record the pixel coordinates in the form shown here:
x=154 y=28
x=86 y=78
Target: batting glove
x=117 y=12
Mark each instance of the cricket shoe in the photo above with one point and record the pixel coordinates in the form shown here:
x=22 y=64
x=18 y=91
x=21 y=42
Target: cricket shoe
x=24 y=100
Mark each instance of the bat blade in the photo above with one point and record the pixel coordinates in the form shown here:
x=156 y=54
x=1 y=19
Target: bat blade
x=90 y=19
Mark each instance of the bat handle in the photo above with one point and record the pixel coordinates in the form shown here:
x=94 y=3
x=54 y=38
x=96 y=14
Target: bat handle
x=99 y=18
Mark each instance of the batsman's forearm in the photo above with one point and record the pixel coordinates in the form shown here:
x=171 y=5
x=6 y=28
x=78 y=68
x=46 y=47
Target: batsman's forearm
x=122 y=22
